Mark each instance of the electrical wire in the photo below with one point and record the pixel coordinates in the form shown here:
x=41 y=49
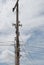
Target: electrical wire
x=7 y=44
x=26 y=52
x=37 y=47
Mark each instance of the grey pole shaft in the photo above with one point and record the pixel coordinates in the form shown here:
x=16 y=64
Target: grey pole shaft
x=17 y=49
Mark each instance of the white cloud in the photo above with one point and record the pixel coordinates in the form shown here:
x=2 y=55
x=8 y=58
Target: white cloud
x=7 y=57
x=32 y=13
x=31 y=16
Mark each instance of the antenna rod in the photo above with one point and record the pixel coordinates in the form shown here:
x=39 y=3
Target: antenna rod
x=17 y=51
x=17 y=47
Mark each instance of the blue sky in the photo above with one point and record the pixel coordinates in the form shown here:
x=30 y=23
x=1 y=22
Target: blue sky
x=31 y=15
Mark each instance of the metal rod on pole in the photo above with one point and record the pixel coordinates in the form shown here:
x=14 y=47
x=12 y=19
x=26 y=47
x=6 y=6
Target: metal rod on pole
x=17 y=50
x=17 y=47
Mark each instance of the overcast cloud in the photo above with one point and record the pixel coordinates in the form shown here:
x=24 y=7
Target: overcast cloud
x=31 y=15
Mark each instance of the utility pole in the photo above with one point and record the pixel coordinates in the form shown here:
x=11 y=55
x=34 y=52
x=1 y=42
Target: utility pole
x=17 y=47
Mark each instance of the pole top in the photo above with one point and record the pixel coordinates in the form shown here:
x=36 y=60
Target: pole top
x=15 y=6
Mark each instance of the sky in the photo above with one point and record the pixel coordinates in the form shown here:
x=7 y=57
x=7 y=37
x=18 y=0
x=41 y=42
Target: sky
x=31 y=16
